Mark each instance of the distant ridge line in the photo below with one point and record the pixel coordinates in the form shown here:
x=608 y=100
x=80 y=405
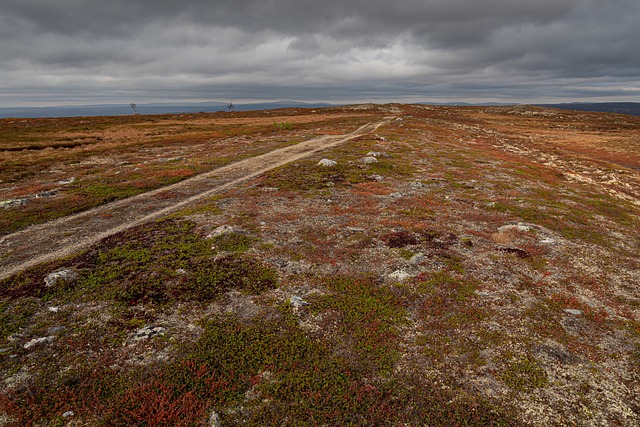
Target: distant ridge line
x=631 y=108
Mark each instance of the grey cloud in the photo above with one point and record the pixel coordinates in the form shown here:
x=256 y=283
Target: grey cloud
x=321 y=50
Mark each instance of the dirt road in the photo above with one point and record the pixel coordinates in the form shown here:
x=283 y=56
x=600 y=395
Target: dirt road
x=65 y=236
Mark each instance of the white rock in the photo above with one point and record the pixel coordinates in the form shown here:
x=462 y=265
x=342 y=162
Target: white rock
x=573 y=311
x=327 y=163
x=368 y=160
x=519 y=227
x=37 y=341
x=223 y=229
x=399 y=275
x=297 y=301
x=417 y=258
x=65 y=275
x=148 y=332
x=67 y=181
x=374 y=154
x=68 y=414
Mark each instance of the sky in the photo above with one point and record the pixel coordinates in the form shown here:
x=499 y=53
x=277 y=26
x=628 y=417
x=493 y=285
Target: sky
x=77 y=52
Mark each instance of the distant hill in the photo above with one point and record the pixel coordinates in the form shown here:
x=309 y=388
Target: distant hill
x=125 y=109
x=632 y=108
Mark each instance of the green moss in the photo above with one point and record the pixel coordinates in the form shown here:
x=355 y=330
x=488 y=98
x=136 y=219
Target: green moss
x=101 y=193
x=524 y=375
x=232 y=242
x=460 y=289
x=282 y=126
x=16 y=315
x=406 y=253
x=232 y=272
x=369 y=314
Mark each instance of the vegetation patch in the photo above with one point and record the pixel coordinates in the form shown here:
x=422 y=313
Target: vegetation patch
x=306 y=175
x=267 y=372
x=524 y=375
x=369 y=314
x=155 y=263
x=400 y=239
x=232 y=242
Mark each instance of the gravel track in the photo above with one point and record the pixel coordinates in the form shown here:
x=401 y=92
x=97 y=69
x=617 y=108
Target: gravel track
x=65 y=236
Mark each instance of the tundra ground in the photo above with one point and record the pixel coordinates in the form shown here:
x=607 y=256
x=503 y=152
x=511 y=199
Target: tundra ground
x=456 y=266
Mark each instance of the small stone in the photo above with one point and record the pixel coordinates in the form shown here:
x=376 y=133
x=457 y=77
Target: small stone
x=14 y=337
x=67 y=181
x=171 y=159
x=38 y=341
x=46 y=194
x=64 y=276
x=148 y=332
x=417 y=258
x=297 y=301
x=483 y=294
x=399 y=275
x=547 y=241
x=181 y=271
x=355 y=229
x=374 y=154
x=416 y=185
x=278 y=262
x=68 y=414
x=327 y=163
x=396 y=195
x=573 y=311
x=377 y=177
x=223 y=229
x=518 y=227
x=368 y=160
x=54 y=309
x=55 y=330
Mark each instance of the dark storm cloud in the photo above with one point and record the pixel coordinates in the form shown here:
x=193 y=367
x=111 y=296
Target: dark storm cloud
x=73 y=50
